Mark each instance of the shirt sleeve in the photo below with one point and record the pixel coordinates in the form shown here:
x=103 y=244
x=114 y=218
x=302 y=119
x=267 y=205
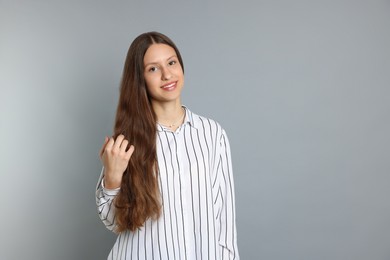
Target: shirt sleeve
x=104 y=201
x=226 y=218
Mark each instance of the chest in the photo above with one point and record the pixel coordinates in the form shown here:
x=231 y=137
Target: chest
x=186 y=156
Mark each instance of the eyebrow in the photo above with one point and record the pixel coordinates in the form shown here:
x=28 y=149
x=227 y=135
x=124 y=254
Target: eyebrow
x=150 y=63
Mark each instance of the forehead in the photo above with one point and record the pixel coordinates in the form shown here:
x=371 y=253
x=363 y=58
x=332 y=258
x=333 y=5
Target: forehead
x=158 y=52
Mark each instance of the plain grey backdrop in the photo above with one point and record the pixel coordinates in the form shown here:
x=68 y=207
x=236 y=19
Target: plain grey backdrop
x=301 y=87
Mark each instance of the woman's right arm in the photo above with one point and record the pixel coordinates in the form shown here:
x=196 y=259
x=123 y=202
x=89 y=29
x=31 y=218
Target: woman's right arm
x=105 y=203
x=115 y=156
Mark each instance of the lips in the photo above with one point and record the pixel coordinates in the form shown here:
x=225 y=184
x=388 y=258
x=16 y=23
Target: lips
x=169 y=86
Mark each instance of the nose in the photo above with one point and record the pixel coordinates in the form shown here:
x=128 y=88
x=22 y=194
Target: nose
x=166 y=74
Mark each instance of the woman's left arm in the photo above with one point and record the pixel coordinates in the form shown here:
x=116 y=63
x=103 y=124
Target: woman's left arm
x=227 y=216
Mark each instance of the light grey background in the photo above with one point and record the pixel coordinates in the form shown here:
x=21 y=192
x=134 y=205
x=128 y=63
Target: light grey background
x=301 y=87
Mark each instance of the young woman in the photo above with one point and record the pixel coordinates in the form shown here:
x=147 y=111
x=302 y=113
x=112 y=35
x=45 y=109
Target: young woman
x=166 y=186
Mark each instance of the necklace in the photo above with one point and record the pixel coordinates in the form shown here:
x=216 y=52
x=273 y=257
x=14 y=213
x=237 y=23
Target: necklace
x=176 y=122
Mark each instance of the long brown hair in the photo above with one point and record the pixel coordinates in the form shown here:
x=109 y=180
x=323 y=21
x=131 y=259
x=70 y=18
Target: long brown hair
x=139 y=196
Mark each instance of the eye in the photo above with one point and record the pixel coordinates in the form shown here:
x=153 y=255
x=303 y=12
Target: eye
x=172 y=62
x=152 y=69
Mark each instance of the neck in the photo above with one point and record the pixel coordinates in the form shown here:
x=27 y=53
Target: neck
x=168 y=113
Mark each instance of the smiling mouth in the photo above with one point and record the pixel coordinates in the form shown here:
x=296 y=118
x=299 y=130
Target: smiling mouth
x=169 y=86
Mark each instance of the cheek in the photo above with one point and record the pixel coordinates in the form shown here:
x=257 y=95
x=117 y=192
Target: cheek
x=147 y=83
x=179 y=72
x=151 y=82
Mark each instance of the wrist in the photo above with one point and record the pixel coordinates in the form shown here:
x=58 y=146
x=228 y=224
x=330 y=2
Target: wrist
x=111 y=185
x=111 y=182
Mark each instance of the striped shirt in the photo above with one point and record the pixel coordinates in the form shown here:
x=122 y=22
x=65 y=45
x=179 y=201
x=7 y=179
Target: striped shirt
x=197 y=196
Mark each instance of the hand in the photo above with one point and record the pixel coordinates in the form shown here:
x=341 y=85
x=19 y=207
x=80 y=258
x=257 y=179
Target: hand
x=115 y=157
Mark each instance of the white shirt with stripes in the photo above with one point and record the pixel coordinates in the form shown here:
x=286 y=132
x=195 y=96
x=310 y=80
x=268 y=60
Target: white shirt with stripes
x=198 y=220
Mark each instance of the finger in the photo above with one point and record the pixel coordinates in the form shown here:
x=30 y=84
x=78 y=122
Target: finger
x=124 y=145
x=118 y=141
x=109 y=144
x=103 y=146
x=129 y=152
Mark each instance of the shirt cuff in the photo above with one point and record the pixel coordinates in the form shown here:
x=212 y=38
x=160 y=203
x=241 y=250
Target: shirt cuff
x=110 y=192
